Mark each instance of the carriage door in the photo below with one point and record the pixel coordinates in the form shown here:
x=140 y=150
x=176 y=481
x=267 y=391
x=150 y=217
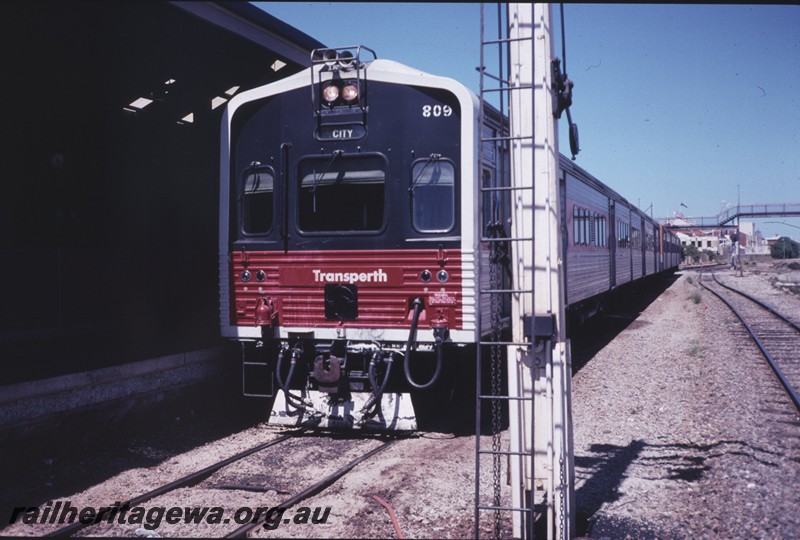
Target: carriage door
x=643 y=245
x=656 y=249
x=612 y=243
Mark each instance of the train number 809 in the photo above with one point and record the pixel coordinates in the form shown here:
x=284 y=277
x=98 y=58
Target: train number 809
x=436 y=111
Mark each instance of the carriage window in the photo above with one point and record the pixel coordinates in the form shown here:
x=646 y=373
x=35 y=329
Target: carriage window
x=257 y=200
x=433 y=195
x=342 y=193
x=601 y=236
x=623 y=234
x=489 y=200
x=583 y=226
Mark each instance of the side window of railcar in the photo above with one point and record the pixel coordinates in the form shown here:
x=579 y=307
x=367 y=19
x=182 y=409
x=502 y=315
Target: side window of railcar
x=588 y=228
x=257 y=197
x=601 y=238
x=341 y=193
x=489 y=199
x=433 y=195
x=623 y=234
x=578 y=237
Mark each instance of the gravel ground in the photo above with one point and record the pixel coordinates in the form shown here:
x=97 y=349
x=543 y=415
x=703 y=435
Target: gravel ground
x=427 y=479
x=691 y=436
x=680 y=432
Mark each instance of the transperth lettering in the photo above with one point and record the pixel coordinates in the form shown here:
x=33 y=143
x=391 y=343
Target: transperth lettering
x=377 y=276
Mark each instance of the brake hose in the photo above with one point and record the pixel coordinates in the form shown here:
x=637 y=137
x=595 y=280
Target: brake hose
x=375 y=399
x=417 y=303
x=284 y=385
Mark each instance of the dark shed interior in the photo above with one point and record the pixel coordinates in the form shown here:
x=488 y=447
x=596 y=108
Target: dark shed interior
x=108 y=182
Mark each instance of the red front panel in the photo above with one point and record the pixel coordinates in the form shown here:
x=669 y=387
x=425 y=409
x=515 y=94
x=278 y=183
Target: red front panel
x=387 y=282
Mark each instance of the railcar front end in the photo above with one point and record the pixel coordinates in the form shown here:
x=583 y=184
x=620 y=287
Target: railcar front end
x=347 y=238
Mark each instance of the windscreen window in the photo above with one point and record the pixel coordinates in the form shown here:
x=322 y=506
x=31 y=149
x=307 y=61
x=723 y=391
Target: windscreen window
x=258 y=189
x=433 y=195
x=342 y=193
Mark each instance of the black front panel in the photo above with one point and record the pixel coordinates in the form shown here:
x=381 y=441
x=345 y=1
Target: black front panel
x=341 y=302
x=381 y=179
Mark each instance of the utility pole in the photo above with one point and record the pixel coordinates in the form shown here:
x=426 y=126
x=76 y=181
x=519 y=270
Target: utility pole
x=541 y=429
x=738 y=231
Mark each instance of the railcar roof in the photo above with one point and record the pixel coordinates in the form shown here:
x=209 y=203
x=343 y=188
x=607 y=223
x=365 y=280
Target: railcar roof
x=569 y=165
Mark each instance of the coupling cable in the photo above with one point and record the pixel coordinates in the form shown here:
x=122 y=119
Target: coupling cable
x=412 y=335
x=291 y=399
x=373 y=404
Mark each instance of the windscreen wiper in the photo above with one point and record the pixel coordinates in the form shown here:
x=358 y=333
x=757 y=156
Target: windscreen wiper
x=334 y=155
x=431 y=159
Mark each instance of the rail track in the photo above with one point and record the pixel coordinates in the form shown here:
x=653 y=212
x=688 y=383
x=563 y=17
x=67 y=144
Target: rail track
x=315 y=488
x=776 y=335
x=305 y=438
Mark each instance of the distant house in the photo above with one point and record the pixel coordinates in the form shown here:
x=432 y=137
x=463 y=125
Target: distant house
x=720 y=241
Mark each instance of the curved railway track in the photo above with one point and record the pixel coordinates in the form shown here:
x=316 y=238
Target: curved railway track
x=776 y=336
x=242 y=531
x=195 y=478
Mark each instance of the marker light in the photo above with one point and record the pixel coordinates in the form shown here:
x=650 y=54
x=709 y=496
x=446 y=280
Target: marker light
x=346 y=60
x=330 y=57
x=330 y=93
x=350 y=91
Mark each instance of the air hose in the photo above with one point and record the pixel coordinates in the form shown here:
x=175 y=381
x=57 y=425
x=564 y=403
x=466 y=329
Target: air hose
x=291 y=399
x=375 y=399
x=417 y=304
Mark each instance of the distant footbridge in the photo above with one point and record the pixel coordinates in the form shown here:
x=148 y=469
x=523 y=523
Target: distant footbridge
x=679 y=221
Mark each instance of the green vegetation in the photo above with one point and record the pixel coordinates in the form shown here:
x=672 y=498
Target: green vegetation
x=691 y=251
x=785 y=248
x=696 y=298
x=696 y=349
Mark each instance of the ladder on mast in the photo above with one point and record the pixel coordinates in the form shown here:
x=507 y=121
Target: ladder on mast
x=538 y=395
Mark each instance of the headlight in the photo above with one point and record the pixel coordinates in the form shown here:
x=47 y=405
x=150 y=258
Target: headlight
x=330 y=93
x=350 y=91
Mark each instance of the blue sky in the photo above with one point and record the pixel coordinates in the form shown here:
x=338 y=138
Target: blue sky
x=681 y=103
